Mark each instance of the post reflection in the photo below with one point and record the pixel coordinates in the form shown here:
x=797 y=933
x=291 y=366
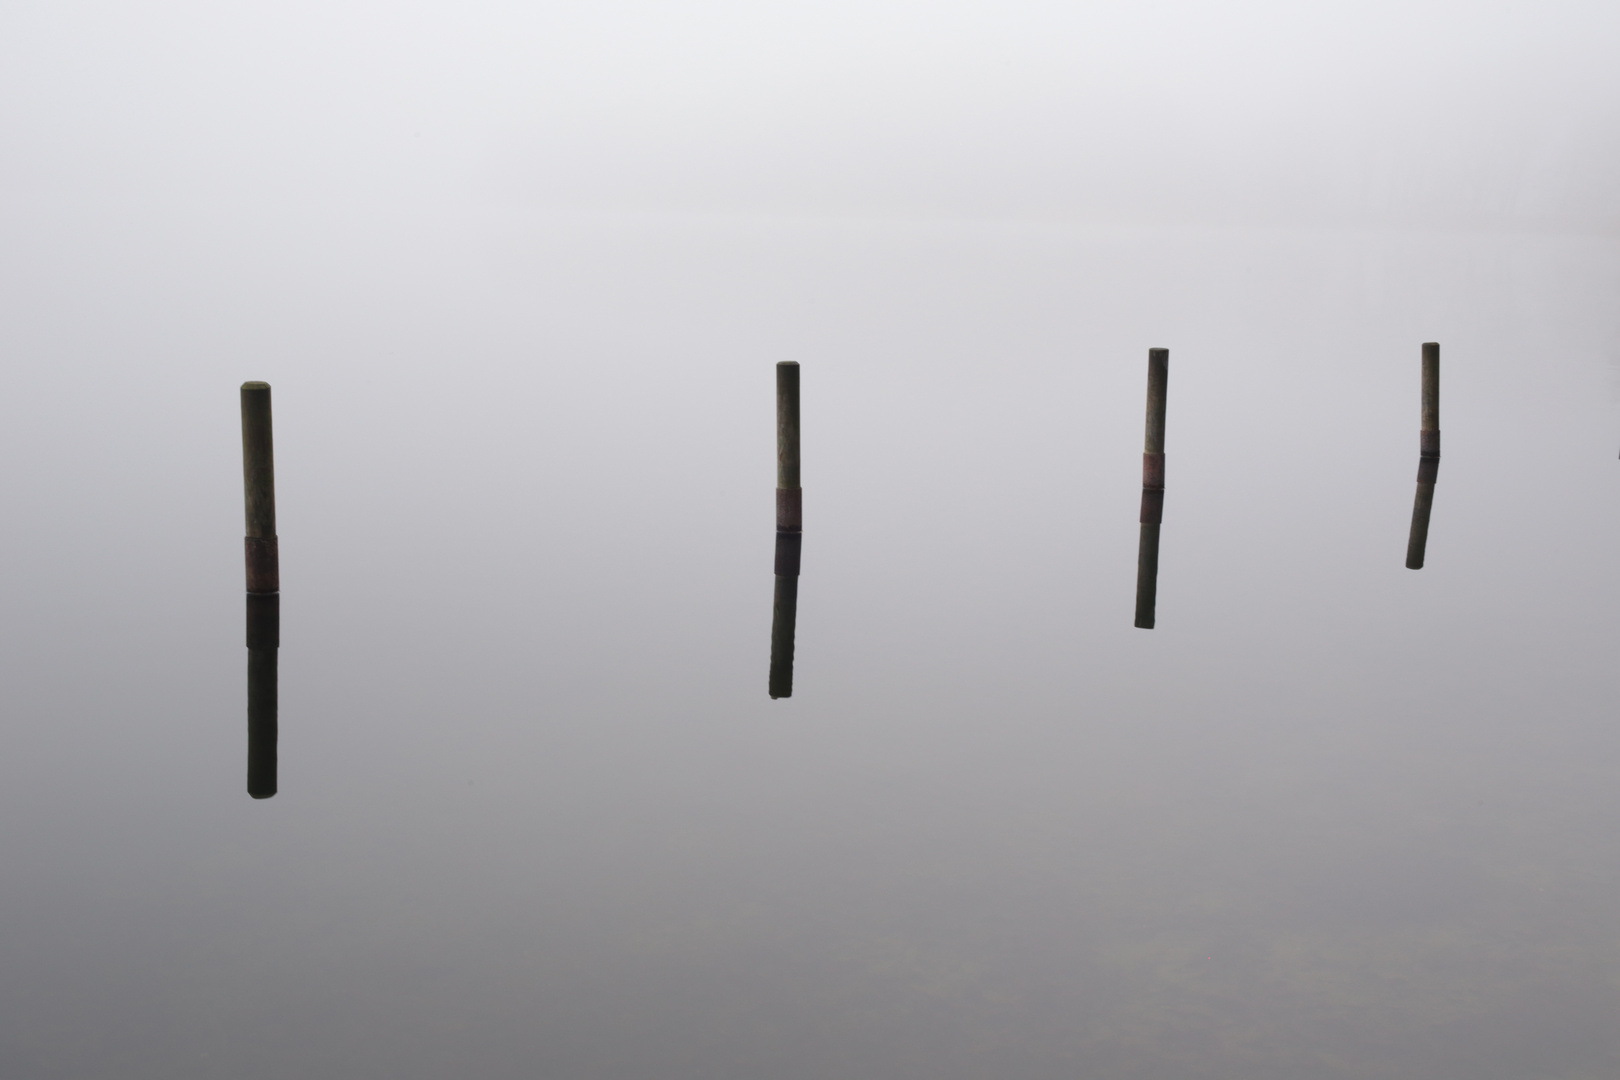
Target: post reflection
x=784 y=613
x=263 y=643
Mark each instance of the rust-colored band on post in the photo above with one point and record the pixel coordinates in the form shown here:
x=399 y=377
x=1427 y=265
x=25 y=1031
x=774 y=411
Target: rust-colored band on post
x=790 y=509
x=1153 y=470
x=1152 y=489
x=263 y=564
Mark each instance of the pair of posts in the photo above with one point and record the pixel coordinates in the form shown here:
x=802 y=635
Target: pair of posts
x=1152 y=515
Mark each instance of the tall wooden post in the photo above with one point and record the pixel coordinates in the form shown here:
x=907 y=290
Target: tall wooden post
x=1152 y=515
x=789 y=529
x=259 y=490
x=1428 y=458
x=263 y=644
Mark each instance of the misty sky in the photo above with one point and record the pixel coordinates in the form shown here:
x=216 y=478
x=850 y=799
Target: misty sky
x=1431 y=114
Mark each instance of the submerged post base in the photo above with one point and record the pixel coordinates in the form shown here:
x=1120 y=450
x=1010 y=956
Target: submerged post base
x=1147 y=574
x=784 y=613
x=263 y=644
x=1418 y=541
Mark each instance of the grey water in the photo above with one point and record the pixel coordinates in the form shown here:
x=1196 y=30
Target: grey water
x=534 y=811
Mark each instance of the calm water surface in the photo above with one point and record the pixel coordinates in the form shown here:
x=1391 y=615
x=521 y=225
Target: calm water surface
x=536 y=813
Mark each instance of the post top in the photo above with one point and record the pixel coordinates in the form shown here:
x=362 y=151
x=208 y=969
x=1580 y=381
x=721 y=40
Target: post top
x=1158 y=352
x=787 y=363
x=255 y=386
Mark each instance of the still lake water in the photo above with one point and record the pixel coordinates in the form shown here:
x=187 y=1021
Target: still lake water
x=537 y=815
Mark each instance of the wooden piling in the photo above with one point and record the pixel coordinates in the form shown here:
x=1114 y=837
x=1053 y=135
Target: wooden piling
x=789 y=529
x=1152 y=515
x=259 y=490
x=1428 y=458
x=263 y=644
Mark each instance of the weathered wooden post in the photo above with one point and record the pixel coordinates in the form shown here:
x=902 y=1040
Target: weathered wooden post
x=263 y=644
x=789 y=529
x=1428 y=457
x=259 y=490
x=1152 y=515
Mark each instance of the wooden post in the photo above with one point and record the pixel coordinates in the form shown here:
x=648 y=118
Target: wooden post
x=263 y=643
x=1428 y=457
x=1152 y=515
x=259 y=490
x=789 y=529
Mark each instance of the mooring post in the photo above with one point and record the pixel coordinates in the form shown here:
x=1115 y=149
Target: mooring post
x=259 y=490
x=1428 y=457
x=263 y=644
x=1152 y=515
x=789 y=529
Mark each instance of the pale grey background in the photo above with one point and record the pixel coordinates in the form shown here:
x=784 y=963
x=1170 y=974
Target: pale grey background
x=519 y=276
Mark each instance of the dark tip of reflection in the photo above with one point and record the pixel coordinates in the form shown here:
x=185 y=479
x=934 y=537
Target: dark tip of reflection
x=784 y=613
x=263 y=641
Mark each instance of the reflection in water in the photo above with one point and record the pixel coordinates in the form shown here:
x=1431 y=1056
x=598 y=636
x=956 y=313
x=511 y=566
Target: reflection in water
x=784 y=612
x=263 y=642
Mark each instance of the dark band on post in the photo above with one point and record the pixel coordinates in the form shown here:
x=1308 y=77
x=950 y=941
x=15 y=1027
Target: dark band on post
x=790 y=509
x=788 y=546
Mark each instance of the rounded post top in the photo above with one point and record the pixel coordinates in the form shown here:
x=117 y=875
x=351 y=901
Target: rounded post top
x=255 y=386
x=787 y=363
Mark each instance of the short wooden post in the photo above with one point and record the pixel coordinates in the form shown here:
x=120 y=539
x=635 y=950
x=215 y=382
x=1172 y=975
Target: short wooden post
x=1428 y=458
x=789 y=529
x=263 y=644
x=259 y=490
x=1152 y=515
